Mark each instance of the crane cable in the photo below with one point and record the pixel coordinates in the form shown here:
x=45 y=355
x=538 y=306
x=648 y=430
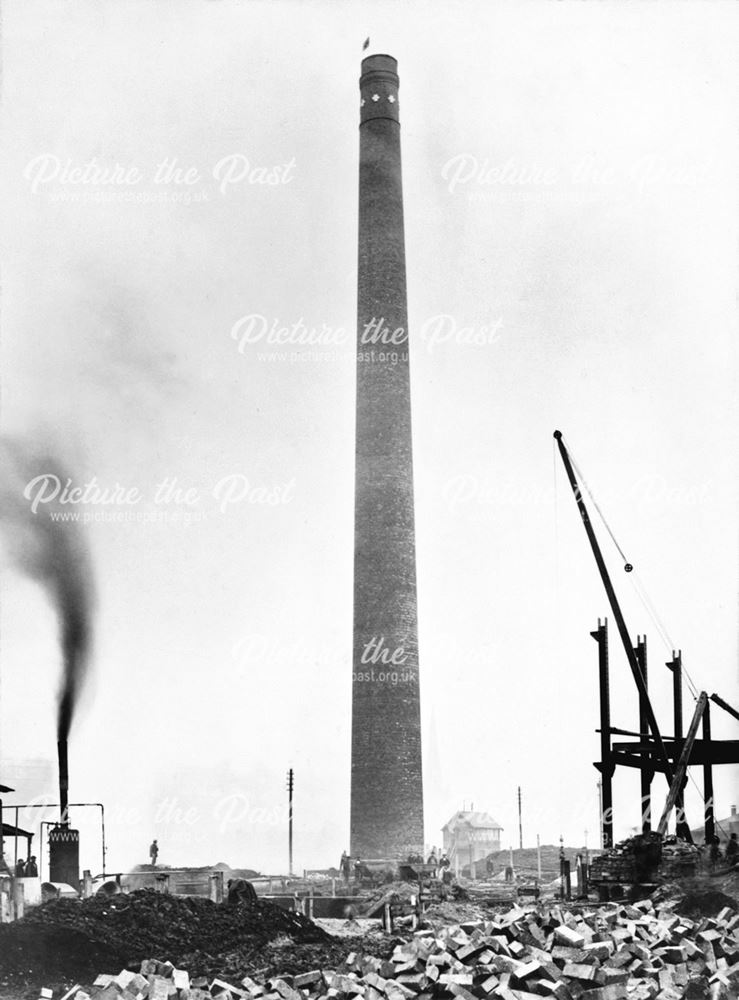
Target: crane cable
x=627 y=565
x=636 y=582
x=643 y=596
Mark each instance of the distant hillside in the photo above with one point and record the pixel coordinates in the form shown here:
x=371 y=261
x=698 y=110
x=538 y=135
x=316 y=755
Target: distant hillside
x=524 y=860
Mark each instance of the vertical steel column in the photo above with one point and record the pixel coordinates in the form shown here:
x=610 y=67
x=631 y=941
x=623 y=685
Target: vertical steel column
x=708 y=777
x=646 y=772
x=606 y=765
x=676 y=666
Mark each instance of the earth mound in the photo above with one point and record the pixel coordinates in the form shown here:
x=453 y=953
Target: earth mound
x=70 y=939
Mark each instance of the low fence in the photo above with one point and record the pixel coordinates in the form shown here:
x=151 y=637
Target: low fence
x=16 y=894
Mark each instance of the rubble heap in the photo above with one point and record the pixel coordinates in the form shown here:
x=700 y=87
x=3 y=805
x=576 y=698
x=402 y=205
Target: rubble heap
x=637 y=952
x=73 y=939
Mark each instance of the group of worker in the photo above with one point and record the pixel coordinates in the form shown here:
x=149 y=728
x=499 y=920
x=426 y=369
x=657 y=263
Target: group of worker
x=439 y=866
x=349 y=867
x=356 y=867
x=731 y=852
x=26 y=869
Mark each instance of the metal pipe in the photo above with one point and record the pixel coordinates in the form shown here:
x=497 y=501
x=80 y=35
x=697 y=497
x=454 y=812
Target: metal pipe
x=73 y=805
x=615 y=607
x=61 y=748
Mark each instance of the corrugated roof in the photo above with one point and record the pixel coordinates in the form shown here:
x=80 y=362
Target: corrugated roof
x=477 y=820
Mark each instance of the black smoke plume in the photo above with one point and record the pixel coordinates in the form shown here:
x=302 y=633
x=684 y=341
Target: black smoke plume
x=54 y=552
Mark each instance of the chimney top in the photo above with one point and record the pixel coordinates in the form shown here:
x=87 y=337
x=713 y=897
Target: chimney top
x=381 y=62
x=378 y=88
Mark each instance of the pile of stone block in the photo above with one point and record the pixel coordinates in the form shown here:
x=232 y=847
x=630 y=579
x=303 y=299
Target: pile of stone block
x=640 y=951
x=679 y=861
x=645 y=858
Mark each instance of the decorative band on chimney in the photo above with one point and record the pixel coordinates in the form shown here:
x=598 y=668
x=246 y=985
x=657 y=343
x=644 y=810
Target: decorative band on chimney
x=378 y=87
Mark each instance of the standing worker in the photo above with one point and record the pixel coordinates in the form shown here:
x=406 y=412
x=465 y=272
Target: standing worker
x=31 y=867
x=714 y=853
x=154 y=853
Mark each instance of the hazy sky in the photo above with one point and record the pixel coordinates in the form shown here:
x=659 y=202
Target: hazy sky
x=571 y=223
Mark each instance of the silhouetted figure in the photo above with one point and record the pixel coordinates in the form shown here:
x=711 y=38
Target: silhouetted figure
x=20 y=868
x=714 y=852
x=732 y=850
x=241 y=891
x=345 y=866
x=31 y=867
x=154 y=853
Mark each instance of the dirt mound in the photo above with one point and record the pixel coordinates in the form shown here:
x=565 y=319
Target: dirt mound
x=704 y=896
x=704 y=903
x=70 y=940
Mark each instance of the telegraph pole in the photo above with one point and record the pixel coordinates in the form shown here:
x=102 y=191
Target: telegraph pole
x=520 y=828
x=538 y=858
x=290 y=786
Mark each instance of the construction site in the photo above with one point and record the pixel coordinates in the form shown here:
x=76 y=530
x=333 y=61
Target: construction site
x=471 y=911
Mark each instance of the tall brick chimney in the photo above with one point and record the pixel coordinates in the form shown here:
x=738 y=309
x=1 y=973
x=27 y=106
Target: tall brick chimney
x=386 y=779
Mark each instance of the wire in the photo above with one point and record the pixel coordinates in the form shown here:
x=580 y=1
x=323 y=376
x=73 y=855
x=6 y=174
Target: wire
x=637 y=583
x=627 y=565
x=643 y=596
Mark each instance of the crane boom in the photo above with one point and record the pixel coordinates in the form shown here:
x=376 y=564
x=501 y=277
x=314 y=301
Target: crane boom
x=616 y=609
x=682 y=765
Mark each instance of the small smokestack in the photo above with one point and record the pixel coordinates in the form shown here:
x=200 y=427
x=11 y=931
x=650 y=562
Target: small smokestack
x=63 y=781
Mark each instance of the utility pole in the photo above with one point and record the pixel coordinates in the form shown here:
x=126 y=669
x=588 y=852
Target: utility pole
x=520 y=828
x=538 y=857
x=290 y=786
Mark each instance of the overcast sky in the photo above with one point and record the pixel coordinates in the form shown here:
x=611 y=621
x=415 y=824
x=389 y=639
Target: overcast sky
x=571 y=225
